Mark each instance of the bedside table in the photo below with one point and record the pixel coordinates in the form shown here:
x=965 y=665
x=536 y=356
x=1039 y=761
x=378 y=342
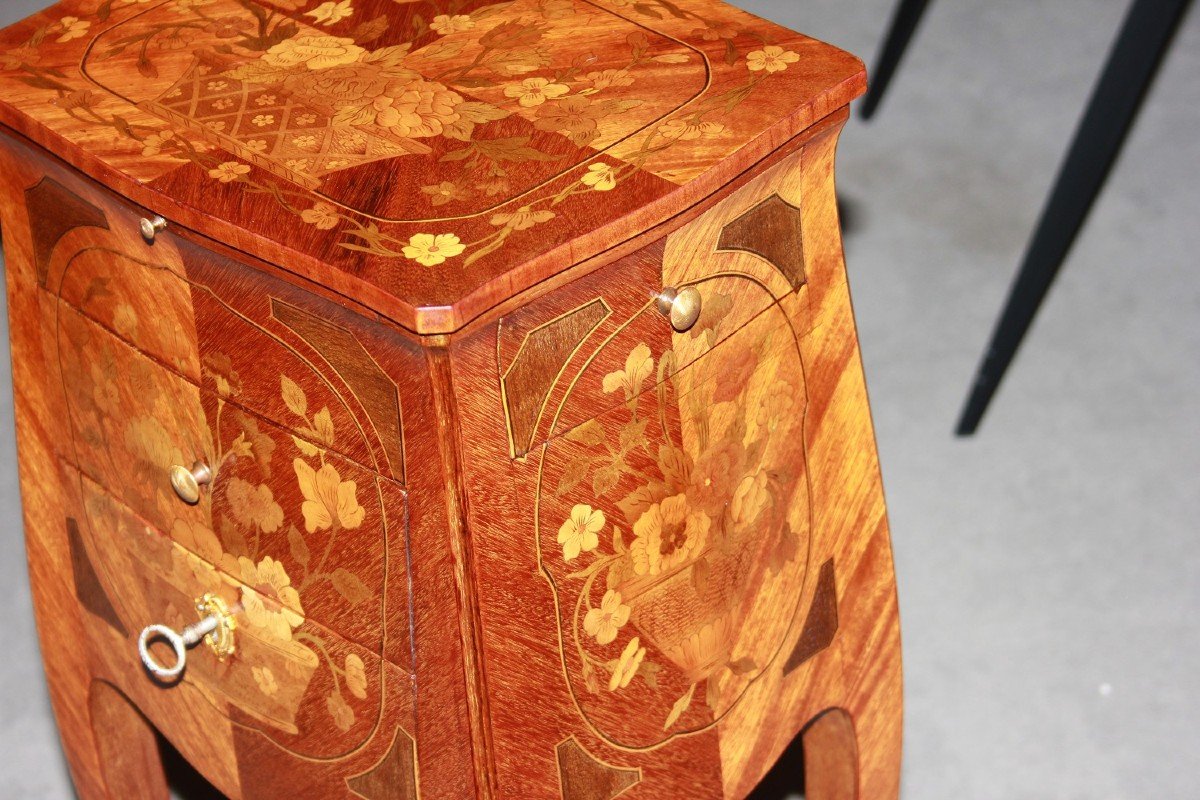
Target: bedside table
x=443 y=400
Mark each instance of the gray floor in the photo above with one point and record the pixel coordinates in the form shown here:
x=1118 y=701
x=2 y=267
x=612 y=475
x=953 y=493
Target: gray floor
x=1048 y=571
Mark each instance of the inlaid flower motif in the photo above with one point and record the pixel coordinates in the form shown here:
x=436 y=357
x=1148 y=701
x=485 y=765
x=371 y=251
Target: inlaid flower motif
x=771 y=58
x=155 y=143
x=354 y=85
x=421 y=109
x=263 y=120
x=304 y=119
x=605 y=620
x=125 y=320
x=339 y=709
x=535 y=91
x=704 y=651
x=576 y=116
x=216 y=86
x=265 y=100
x=269 y=600
x=256 y=145
x=687 y=131
x=600 y=177
x=327 y=498
x=712 y=476
x=579 y=533
x=667 y=535
x=717 y=30
x=522 y=219
x=430 y=250
x=444 y=192
x=331 y=12
x=71 y=28
x=322 y=215
x=222 y=104
x=253 y=505
x=627 y=664
x=229 y=172
x=306 y=140
x=447 y=23
x=265 y=680
x=609 y=77
x=314 y=52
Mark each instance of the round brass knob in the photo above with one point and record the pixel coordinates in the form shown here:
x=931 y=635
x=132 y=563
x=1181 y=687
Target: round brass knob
x=151 y=227
x=680 y=306
x=187 y=482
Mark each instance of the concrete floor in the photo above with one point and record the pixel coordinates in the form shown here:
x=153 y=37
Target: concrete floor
x=1048 y=568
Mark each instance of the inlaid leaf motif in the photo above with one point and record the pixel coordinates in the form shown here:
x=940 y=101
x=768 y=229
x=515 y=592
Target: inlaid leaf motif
x=574 y=473
x=298 y=546
x=639 y=365
x=305 y=447
x=323 y=426
x=294 y=397
x=634 y=504
x=356 y=676
x=349 y=586
x=681 y=705
x=589 y=434
x=339 y=709
x=605 y=479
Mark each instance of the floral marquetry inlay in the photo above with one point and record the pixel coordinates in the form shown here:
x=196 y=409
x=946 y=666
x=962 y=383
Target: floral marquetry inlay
x=459 y=135
x=664 y=521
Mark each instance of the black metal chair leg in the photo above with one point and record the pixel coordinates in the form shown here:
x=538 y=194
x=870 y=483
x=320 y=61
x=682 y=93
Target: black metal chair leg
x=1144 y=38
x=904 y=22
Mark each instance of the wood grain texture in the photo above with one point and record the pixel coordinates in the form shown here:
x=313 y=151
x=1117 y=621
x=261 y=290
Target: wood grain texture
x=489 y=526
x=518 y=134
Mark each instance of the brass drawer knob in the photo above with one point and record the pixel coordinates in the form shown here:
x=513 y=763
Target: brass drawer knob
x=681 y=306
x=216 y=627
x=151 y=227
x=187 y=482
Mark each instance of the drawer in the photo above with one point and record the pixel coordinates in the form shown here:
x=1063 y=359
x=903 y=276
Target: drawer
x=273 y=497
x=674 y=527
x=303 y=687
x=236 y=332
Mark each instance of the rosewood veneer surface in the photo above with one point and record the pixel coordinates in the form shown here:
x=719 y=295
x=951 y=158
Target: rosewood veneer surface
x=494 y=517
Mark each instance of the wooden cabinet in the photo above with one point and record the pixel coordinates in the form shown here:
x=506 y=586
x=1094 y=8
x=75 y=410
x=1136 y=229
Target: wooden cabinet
x=489 y=382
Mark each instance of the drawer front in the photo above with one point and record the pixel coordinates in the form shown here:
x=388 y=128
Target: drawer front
x=222 y=326
x=303 y=687
x=318 y=521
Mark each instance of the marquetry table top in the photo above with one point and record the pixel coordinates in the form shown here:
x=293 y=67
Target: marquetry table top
x=428 y=159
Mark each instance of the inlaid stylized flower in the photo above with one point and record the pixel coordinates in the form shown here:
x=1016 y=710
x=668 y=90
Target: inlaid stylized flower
x=229 y=172
x=771 y=58
x=70 y=28
x=327 y=498
x=253 y=506
x=263 y=120
x=712 y=477
x=444 y=192
x=600 y=177
x=447 y=23
x=314 y=52
x=578 y=534
x=750 y=498
x=684 y=130
x=265 y=680
x=605 y=620
x=535 y=91
x=269 y=600
x=430 y=250
x=154 y=144
x=705 y=650
x=667 y=535
x=522 y=219
x=354 y=85
x=331 y=12
x=422 y=109
x=322 y=215
x=574 y=115
x=627 y=664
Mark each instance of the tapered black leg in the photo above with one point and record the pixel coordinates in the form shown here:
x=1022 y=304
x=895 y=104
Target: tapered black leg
x=1140 y=46
x=904 y=22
